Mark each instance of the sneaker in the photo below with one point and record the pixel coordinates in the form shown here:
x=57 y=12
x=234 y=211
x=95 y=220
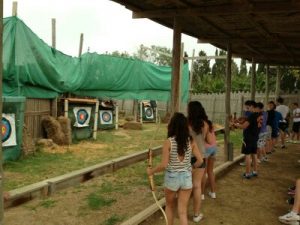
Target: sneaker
x=268 y=153
x=212 y=195
x=242 y=164
x=259 y=160
x=289 y=217
x=265 y=159
x=198 y=218
x=202 y=197
x=247 y=176
x=254 y=174
x=283 y=146
x=290 y=201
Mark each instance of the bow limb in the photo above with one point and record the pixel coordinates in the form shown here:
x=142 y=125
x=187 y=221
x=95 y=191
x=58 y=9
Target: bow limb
x=152 y=185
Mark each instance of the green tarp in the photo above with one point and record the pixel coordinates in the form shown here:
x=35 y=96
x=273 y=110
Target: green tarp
x=35 y=70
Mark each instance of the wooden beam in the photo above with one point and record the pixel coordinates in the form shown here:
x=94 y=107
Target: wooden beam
x=15 y=9
x=229 y=9
x=1 y=110
x=253 y=80
x=227 y=104
x=278 y=78
x=53 y=21
x=176 y=66
x=191 y=74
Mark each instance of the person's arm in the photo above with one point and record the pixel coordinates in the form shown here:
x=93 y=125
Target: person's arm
x=242 y=125
x=164 y=160
x=197 y=153
x=208 y=137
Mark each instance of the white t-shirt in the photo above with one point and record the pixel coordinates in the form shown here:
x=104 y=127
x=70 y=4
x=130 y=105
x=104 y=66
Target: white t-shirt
x=284 y=110
x=296 y=112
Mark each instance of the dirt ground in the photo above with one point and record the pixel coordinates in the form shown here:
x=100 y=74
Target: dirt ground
x=258 y=201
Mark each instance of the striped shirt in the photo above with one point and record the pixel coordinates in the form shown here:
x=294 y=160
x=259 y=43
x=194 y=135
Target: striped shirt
x=175 y=165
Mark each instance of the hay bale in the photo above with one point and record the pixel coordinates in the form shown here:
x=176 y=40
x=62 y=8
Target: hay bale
x=28 y=146
x=133 y=126
x=65 y=124
x=53 y=130
x=129 y=118
x=44 y=142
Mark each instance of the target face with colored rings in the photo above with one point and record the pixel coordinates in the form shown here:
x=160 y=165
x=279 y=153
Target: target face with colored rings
x=82 y=116
x=106 y=117
x=5 y=129
x=149 y=112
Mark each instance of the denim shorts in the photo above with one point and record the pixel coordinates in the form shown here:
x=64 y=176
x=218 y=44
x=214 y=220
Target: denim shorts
x=262 y=138
x=178 y=180
x=210 y=152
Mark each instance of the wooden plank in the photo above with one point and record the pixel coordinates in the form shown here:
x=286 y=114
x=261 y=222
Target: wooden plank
x=81 y=100
x=53 y=22
x=267 y=85
x=15 y=9
x=80 y=45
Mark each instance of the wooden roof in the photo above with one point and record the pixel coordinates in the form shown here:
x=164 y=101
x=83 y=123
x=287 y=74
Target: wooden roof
x=266 y=30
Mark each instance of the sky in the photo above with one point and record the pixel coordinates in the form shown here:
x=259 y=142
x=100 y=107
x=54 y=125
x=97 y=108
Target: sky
x=106 y=25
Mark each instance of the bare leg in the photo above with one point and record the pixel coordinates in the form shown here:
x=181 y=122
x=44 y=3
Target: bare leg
x=210 y=173
x=204 y=179
x=170 y=205
x=183 y=199
x=248 y=164
x=197 y=179
x=296 y=206
x=254 y=161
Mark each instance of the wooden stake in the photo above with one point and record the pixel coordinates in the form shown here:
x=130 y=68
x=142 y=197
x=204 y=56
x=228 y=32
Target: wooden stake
x=180 y=76
x=117 y=117
x=253 y=80
x=15 y=9
x=80 y=45
x=141 y=112
x=66 y=107
x=227 y=105
x=175 y=66
x=96 y=120
x=1 y=109
x=53 y=33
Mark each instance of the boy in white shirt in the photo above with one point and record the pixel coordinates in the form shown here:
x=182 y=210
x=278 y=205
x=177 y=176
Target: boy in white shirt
x=296 y=122
x=284 y=110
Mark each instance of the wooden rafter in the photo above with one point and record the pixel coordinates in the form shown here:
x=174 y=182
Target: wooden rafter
x=230 y=9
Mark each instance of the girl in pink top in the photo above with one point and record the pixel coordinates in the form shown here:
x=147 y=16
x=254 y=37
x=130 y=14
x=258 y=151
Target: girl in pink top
x=210 y=156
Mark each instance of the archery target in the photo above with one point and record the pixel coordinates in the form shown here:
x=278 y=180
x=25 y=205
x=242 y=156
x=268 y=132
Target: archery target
x=82 y=116
x=8 y=130
x=106 y=117
x=149 y=113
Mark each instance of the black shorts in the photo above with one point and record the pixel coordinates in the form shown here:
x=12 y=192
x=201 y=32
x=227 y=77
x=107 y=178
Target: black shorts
x=296 y=127
x=283 y=125
x=249 y=148
x=275 y=133
x=202 y=166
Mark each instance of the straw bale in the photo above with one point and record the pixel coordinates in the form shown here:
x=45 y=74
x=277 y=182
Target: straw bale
x=133 y=126
x=53 y=130
x=65 y=124
x=28 y=146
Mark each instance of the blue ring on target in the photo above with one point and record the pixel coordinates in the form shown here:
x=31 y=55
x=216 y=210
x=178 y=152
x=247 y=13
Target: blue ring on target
x=106 y=117
x=148 y=112
x=82 y=116
x=5 y=129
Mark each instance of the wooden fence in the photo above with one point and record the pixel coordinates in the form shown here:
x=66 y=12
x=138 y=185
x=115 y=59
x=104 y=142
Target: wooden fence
x=214 y=104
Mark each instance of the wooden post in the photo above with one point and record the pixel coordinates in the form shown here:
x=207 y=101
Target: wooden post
x=278 y=78
x=180 y=76
x=66 y=111
x=54 y=107
x=253 y=80
x=53 y=33
x=141 y=112
x=80 y=45
x=96 y=120
x=214 y=108
x=242 y=105
x=191 y=76
x=15 y=9
x=227 y=149
x=267 y=85
x=117 y=117
x=175 y=66
x=1 y=109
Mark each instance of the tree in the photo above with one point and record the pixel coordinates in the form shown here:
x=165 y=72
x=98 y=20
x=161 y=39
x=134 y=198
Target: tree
x=219 y=67
x=142 y=53
x=155 y=54
x=243 y=68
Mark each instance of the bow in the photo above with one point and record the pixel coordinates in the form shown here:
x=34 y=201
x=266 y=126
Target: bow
x=152 y=185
